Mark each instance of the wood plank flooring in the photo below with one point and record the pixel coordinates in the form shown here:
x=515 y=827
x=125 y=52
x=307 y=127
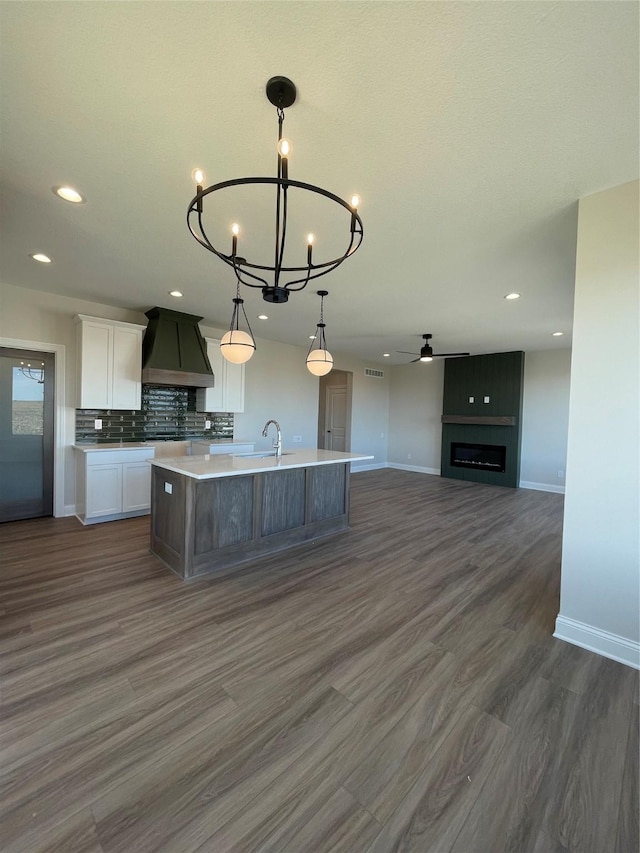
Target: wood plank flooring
x=394 y=688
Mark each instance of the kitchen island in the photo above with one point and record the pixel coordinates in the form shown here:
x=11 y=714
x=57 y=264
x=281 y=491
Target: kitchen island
x=211 y=512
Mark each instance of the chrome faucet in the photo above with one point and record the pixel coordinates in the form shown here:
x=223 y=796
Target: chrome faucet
x=277 y=444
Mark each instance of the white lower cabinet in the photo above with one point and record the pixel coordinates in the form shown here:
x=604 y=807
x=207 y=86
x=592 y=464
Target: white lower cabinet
x=112 y=484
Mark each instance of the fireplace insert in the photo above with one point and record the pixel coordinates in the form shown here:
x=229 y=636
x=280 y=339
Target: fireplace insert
x=488 y=457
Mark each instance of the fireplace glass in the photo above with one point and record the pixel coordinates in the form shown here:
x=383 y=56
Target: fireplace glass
x=482 y=457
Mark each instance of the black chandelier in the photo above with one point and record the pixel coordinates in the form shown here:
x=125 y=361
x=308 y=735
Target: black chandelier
x=35 y=373
x=281 y=92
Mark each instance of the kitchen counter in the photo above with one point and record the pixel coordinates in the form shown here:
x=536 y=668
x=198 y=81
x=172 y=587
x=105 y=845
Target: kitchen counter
x=212 y=512
x=208 y=466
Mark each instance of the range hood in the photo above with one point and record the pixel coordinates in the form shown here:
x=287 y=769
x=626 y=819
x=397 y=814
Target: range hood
x=174 y=352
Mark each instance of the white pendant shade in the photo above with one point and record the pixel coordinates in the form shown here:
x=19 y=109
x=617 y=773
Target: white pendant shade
x=319 y=362
x=237 y=346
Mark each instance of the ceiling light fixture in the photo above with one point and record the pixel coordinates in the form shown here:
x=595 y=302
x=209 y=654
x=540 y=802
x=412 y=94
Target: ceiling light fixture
x=35 y=373
x=176 y=293
x=69 y=194
x=43 y=259
x=557 y=334
x=386 y=354
x=320 y=360
x=512 y=296
x=281 y=92
x=262 y=317
x=236 y=345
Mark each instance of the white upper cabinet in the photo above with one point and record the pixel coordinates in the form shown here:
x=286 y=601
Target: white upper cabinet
x=109 y=364
x=227 y=395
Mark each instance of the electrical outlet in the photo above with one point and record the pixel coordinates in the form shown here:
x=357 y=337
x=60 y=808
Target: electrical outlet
x=472 y=399
x=408 y=456
x=207 y=424
x=486 y=399
x=560 y=474
x=297 y=439
x=168 y=487
x=97 y=424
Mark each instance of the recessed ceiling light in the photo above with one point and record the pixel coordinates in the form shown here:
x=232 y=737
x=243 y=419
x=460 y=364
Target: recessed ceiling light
x=512 y=296
x=176 y=293
x=262 y=317
x=557 y=334
x=312 y=337
x=69 y=194
x=386 y=354
x=44 y=259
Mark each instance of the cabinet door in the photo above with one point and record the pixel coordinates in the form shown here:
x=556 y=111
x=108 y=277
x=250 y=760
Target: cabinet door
x=233 y=390
x=95 y=345
x=211 y=399
x=127 y=368
x=136 y=486
x=104 y=490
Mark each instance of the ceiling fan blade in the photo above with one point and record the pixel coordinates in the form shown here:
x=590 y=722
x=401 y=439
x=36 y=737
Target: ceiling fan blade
x=404 y=352
x=413 y=360
x=448 y=354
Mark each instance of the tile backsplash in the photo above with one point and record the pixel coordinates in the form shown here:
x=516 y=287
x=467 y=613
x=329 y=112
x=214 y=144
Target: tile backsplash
x=168 y=414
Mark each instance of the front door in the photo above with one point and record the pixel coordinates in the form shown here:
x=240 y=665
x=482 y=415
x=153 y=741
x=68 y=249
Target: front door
x=336 y=418
x=26 y=433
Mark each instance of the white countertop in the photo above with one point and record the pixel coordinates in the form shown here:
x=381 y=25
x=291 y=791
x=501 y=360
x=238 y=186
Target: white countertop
x=207 y=466
x=158 y=445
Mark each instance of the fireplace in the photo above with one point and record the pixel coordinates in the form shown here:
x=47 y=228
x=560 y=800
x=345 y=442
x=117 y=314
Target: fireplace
x=480 y=457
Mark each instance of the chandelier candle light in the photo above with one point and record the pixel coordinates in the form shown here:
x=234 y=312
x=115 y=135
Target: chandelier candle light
x=320 y=360
x=281 y=92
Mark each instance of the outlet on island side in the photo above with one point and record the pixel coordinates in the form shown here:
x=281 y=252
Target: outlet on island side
x=560 y=474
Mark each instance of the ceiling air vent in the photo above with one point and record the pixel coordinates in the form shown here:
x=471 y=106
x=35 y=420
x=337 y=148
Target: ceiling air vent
x=374 y=374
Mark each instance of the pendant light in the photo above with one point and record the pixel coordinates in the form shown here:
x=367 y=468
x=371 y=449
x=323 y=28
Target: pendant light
x=236 y=345
x=320 y=360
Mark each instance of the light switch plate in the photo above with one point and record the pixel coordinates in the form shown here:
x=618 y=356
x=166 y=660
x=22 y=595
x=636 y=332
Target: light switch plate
x=168 y=487
x=97 y=424
x=207 y=424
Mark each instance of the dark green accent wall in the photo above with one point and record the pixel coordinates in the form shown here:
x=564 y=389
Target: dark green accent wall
x=499 y=376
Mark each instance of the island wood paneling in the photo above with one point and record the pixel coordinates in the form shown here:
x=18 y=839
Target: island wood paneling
x=213 y=524
x=329 y=492
x=223 y=513
x=283 y=498
x=394 y=689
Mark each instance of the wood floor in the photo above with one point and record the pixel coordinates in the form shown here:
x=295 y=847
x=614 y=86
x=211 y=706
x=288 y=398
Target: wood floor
x=395 y=688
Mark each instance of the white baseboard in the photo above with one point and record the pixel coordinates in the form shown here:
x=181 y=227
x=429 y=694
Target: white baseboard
x=596 y=640
x=375 y=466
x=419 y=469
x=69 y=509
x=541 y=487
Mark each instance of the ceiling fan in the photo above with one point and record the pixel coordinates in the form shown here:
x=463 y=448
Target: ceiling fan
x=427 y=354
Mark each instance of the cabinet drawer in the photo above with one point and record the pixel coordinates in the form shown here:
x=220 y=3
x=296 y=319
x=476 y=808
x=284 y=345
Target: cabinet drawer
x=108 y=457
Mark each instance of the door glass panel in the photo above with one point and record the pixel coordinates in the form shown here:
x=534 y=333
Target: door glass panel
x=26 y=434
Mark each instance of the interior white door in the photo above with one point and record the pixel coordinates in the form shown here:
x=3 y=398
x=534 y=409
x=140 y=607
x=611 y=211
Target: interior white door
x=336 y=418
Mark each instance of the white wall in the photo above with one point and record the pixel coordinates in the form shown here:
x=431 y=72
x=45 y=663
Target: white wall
x=415 y=409
x=600 y=591
x=545 y=419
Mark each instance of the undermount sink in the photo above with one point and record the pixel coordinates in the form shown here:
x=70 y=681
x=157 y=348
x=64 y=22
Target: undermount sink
x=259 y=454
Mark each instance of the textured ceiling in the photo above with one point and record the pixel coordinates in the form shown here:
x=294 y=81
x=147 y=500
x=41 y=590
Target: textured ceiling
x=470 y=130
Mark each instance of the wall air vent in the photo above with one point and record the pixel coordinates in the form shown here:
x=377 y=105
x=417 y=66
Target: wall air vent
x=374 y=374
